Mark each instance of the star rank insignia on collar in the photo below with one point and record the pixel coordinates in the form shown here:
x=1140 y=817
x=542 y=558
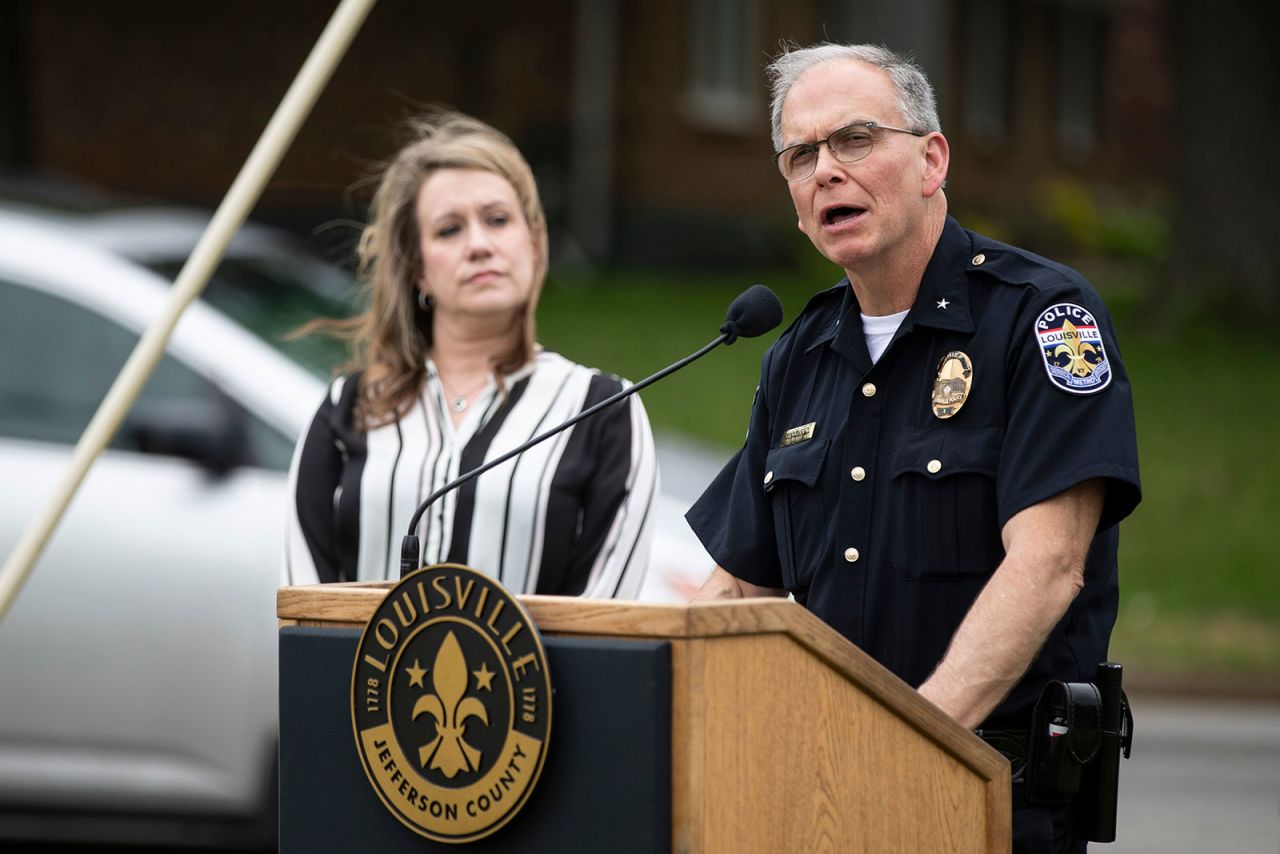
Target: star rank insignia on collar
x=943 y=303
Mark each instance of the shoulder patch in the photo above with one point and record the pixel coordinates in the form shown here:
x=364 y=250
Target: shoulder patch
x=1071 y=347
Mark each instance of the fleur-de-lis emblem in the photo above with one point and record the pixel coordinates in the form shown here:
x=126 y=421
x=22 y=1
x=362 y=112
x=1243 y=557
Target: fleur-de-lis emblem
x=1075 y=349
x=449 y=752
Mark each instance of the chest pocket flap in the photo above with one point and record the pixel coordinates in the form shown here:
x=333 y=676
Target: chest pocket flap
x=800 y=463
x=943 y=499
x=800 y=512
x=936 y=454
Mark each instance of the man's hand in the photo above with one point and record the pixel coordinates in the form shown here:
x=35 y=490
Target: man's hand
x=723 y=585
x=1043 y=570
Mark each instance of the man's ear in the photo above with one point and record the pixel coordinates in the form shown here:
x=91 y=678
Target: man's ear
x=937 y=158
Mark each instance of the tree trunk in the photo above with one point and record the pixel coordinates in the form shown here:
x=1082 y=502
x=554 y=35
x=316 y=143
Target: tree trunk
x=1226 y=252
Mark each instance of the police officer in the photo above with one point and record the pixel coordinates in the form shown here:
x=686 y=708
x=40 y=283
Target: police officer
x=941 y=445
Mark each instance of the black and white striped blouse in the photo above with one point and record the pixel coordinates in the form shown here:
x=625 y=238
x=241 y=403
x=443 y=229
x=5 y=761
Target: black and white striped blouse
x=571 y=516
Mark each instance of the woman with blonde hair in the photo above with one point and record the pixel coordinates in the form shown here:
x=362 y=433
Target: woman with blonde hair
x=447 y=375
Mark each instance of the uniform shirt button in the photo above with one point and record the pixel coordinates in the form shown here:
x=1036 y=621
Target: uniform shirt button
x=934 y=466
x=979 y=259
x=858 y=473
x=768 y=477
x=869 y=390
x=851 y=555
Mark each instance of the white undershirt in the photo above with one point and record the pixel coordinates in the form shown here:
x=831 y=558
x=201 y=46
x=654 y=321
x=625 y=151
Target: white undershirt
x=880 y=331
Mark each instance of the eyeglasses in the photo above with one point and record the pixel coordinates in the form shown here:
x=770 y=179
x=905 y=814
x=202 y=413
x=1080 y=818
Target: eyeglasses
x=848 y=145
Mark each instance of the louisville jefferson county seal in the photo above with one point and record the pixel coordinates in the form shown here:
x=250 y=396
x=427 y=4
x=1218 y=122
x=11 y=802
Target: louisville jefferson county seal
x=451 y=703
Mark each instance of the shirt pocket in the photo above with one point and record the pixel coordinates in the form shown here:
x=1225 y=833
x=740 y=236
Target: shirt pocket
x=944 y=522
x=793 y=489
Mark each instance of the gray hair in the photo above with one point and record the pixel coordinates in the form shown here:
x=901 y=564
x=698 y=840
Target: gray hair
x=915 y=94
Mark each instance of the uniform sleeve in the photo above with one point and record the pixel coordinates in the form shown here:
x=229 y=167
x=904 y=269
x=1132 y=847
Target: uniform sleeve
x=1070 y=407
x=310 y=556
x=619 y=506
x=732 y=518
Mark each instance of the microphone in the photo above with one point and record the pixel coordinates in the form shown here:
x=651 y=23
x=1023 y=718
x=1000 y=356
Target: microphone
x=754 y=312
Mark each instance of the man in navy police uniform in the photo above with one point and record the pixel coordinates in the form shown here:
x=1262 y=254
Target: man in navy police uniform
x=942 y=444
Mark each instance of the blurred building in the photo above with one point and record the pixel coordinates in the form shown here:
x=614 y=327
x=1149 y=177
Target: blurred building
x=646 y=120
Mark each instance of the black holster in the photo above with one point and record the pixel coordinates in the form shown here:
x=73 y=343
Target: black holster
x=1078 y=732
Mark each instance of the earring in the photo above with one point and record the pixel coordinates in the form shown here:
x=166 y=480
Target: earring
x=426 y=302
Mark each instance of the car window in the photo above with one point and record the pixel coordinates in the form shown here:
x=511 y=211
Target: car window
x=57 y=361
x=272 y=297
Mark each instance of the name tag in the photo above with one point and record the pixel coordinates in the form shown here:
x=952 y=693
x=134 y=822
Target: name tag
x=796 y=435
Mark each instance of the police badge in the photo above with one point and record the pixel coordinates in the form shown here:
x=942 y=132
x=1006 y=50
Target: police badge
x=953 y=385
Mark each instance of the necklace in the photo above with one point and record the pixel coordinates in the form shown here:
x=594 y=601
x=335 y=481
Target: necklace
x=460 y=401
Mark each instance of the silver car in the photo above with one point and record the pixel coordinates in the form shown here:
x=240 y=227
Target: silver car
x=138 y=666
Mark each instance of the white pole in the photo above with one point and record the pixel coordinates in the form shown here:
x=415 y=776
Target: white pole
x=235 y=207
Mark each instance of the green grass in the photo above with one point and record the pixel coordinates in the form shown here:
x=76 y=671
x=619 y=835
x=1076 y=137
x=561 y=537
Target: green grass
x=1200 y=558
x=1201 y=554
x=637 y=324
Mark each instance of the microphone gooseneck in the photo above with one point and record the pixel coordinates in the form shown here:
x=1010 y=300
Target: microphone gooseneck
x=754 y=312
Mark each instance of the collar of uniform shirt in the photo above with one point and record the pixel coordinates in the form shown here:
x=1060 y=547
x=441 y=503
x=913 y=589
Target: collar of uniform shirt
x=944 y=278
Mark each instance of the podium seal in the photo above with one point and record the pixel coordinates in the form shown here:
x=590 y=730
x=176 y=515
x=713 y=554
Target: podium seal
x=451 y=703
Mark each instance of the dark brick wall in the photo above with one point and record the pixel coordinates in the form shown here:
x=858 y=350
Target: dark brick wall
x=167 y=99
x=1135 y=142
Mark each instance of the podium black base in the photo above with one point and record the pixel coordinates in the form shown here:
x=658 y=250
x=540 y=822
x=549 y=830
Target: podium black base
x=606 y=784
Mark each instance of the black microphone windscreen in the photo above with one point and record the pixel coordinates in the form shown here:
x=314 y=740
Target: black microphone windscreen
x=754 y=312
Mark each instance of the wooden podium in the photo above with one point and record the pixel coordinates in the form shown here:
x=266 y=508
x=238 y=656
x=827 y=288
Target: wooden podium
x=774 y=732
